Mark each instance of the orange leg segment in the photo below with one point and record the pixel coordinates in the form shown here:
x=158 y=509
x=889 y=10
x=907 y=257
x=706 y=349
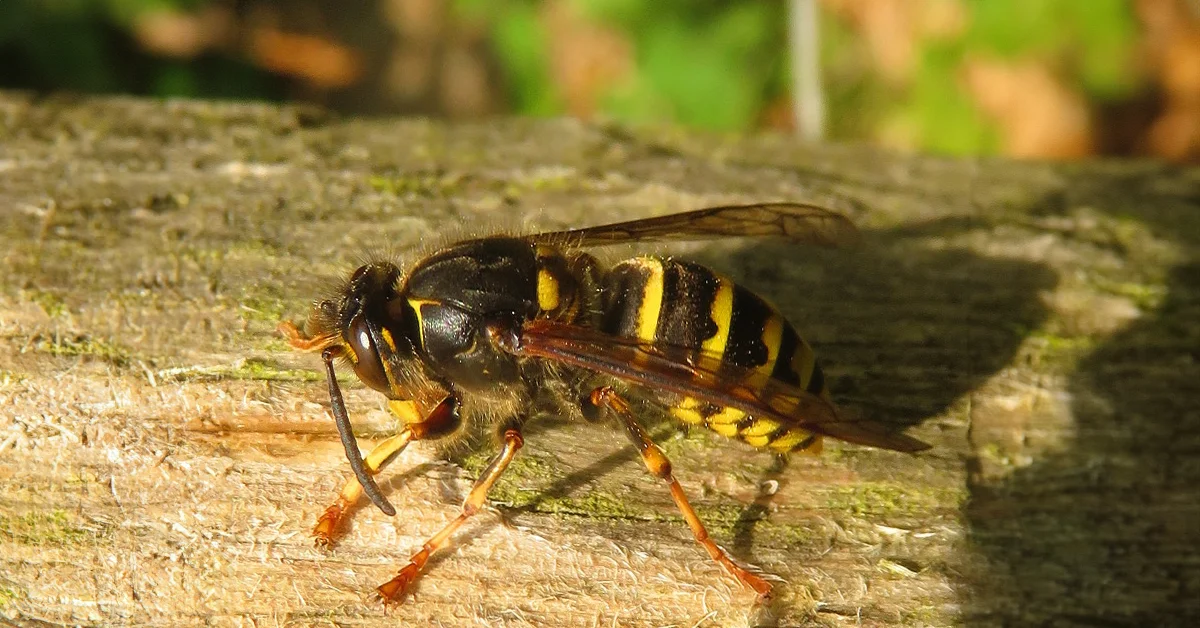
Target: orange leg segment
x=658 y=464
x=298 y=340
x=393 y=590
x=352 y=492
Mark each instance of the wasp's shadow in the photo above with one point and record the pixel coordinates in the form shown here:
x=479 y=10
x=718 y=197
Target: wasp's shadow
x=1106 y=531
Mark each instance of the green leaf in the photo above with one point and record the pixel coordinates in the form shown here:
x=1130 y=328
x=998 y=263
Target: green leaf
x=521 y=44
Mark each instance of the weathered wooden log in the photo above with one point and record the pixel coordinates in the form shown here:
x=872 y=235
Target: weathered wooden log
x=164 y=455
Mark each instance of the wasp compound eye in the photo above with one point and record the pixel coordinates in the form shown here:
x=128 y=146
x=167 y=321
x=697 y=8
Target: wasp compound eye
x=367 y=363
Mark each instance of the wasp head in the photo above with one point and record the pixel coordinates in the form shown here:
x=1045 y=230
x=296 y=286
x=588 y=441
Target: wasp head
x=370 y=315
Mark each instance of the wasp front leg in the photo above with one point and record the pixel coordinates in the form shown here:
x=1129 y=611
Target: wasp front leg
x=299 y=340
x=443 y=419
x=352 y=492
x=393 y=590
x=658 y=464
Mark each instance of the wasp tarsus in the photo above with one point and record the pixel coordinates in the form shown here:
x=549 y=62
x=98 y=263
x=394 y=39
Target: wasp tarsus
x=492 y=328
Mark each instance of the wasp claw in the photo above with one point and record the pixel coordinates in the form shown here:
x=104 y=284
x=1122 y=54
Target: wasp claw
x=324 y=531
x=393 y=590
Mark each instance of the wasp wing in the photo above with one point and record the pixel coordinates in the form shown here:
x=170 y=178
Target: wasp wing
x=705 y=377
x=800 y=222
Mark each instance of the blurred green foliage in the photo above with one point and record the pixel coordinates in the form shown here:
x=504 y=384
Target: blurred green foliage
x=1091 y=39
x=1089 y=42
x=711 y=64
x=706 y=64
x=521 y=45
x=700 y=64
x=719 y=64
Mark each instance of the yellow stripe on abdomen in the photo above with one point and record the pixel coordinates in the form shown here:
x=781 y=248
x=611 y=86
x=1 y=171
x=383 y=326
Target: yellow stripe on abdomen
x=652 y=295
x=789 y=440
x=721 y=314
x=772 y=336
x=803 y=362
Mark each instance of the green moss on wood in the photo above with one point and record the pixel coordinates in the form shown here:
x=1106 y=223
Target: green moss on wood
x=1057 y=354
x=890 y=499
x=248 y=369
x=8 y=378
x=1145 y=296
x=8 y=596
x=51 y=303
x=54 y=528
x=269 y=309
x=426 y=184
x=81 y=346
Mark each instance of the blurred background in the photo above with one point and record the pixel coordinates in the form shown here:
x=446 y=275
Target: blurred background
x=1057 y=79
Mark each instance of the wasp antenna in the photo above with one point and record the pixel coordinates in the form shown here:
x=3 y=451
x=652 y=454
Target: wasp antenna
x=342 y=419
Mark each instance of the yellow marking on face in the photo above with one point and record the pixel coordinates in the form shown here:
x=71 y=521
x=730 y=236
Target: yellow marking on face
x=803 y=362
x=349 y=352
x=383 y=359
x=651 y=305
x=772 y=335
x=727 y=416
x=789 y=440
x=387 y=337
x=406 y=410
x=722 y=314
x=416 y=305
x=547 y=291
x=756 y=441
x=724 y=429
x=761 y=427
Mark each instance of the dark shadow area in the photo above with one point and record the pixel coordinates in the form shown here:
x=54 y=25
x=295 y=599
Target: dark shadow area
x=622 y=454
x=1107 y=532
x=759 y=509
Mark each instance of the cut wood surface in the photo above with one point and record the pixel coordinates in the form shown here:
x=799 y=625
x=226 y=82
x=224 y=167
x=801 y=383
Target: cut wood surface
x=164 y=454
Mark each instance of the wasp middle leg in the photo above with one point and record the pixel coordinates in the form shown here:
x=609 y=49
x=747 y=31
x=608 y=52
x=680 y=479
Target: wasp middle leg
x=394 y=589
x=658 y=464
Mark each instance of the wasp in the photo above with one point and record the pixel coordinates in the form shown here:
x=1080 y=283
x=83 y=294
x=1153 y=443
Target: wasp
x=501 y=329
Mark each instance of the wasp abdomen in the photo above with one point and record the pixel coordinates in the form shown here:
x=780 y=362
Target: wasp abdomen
x=658 y=300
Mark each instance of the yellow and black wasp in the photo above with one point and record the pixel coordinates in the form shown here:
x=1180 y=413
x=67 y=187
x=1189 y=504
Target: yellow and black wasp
x=500 y=329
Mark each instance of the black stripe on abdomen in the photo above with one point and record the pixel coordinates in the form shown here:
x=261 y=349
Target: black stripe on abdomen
x=686 y=316
x=745 y=347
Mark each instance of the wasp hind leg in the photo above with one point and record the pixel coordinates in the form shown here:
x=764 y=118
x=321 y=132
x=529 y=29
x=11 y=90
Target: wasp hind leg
x=658 y=464
x=393 y=590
